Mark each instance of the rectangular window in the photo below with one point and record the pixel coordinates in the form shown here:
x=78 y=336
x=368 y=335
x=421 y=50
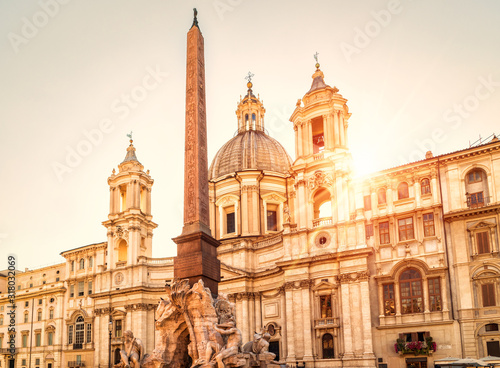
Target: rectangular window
x=474 y=176
x=488 y=295
x=368 y=230
x=39 y=315
x=406 y=229
x=70 y=334
x=272 y=223
x=230 y=225
x=81 y=286
x=25 y=341
x=89 y=333
x=118 y=328
x=57 y=279
x=37 y=361
x=435 y=294
x=23 y=362
x=325 y=302
x=71 y=291
x=50 y=337
x=91 y=262
x=381 y=196
x=483 y=244
x=39 y=301
x=367 y=202
x=26 y=317
x=475 y=200
x=1 y=342
x=90 y=287
x=78 y=359
x=38 y=339
x=318 y=143
x=51 y=314
x=384 y=232
x=26 y=304
x=389 y=304
x=429 y=224
x=493 y=348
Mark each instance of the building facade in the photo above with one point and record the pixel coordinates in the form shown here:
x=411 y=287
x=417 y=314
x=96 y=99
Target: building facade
x=396 y=269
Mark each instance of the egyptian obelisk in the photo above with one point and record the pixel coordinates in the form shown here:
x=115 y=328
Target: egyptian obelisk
x=196 y=248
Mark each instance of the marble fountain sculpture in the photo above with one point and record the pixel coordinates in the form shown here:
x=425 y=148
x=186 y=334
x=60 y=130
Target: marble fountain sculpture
x=193 y=330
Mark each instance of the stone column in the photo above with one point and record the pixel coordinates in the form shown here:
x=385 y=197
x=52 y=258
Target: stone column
x=300 y=142
x=284 y=329
x=397 y=300
x=336 y=128
x=245 y=318
x=434 y=189
x=425 y=286
x=381 y=302
x=112 y=200
x=148 y=201
x=289 y=316
x=346 y=319
x=301 y=199
x=389 y=199
x=340 y=198
x=255 y=210
x=244 y=209
x=418 y=193
x=309 y=138
x=258 y=312
x=307 y=318
x=365 y=313
x=342 y=129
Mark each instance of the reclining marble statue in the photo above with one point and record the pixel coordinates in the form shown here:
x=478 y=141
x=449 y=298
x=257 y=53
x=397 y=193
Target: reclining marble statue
x=133 y=353
x=193 y=330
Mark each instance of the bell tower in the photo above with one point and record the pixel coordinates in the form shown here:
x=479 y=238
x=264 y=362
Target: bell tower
x=320 y=121
x=130 y=226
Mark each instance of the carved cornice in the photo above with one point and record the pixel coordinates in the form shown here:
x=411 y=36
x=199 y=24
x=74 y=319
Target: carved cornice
x=353 y=277
x=140 y=307
x=103 y=311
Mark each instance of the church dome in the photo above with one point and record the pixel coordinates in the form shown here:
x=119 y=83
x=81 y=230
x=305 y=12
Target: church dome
x=250 y=150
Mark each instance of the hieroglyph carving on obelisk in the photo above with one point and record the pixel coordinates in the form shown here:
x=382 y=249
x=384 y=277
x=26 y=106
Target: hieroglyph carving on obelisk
x=196 y=165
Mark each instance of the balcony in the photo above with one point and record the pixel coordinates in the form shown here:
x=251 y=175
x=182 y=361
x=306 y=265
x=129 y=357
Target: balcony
x=476 y=200
x=323 y=221
x=329 y=322
x=76 y=364
x=9 y=351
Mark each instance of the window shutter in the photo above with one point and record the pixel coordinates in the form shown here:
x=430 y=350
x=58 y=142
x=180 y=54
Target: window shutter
x=488 y=295
x=414 y=336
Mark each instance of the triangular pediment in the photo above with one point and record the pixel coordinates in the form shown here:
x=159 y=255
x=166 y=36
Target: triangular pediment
x=324 y=285
x=481 y=225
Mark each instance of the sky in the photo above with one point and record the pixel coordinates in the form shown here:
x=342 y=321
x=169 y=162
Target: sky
x=77 y=76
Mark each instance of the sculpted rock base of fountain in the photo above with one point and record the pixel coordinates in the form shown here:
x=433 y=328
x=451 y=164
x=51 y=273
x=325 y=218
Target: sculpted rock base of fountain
x=193 y=330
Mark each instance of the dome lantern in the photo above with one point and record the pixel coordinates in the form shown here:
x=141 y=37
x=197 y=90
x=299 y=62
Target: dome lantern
x=250 y=110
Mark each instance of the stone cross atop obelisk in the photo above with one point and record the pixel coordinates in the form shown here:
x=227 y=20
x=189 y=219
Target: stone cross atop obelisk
x=196 y=248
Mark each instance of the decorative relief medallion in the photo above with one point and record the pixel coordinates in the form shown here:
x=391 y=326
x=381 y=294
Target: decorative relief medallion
x=119 y=278
x=319 y=179
x=322 y=240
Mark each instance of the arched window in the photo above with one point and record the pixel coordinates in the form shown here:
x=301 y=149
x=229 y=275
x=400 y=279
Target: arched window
x=322 y=204
x=381 y=196
x=476 y=188
x=403 y=191
x=327 y=345
x=122 y=251
x=253 y=121
x=410 y=285
x=425 y=186
x=82 y=264
x=79 y=330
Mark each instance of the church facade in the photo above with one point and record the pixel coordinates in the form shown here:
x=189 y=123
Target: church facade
x=396 y=269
